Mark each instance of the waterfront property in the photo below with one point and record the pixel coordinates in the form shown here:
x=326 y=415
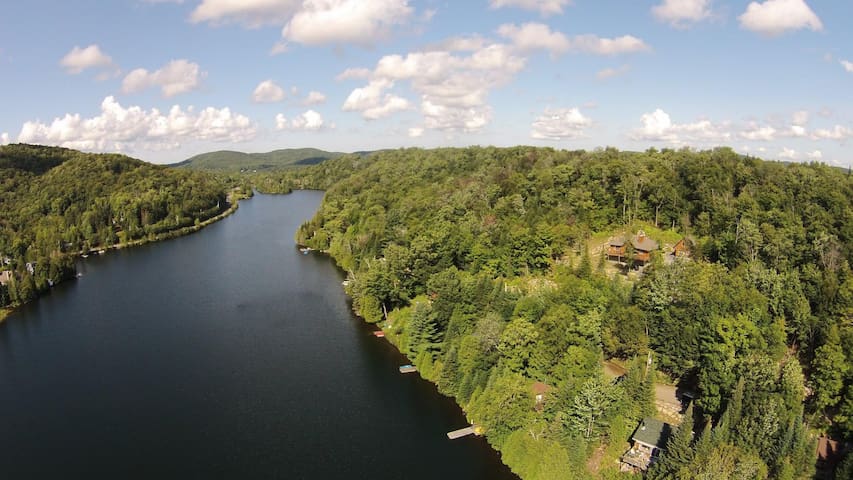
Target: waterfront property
x=648 y=441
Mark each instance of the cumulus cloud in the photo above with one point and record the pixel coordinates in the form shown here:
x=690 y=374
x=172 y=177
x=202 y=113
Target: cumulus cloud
x=788 y=154
x=314 y=98
x=4 y=138
x=537 y=36
x=816 y=155
x=759 y=133
x=251 y=13
x=79 y=59
x=176 y=77
x=612 y=72
x=838 y=132
x=560 y=124
x=309 y=121
x=344 y=22
x=682 y=13
x=454 y=78
x=374 y=102
x=267 y=92
x=774 y=17
x=416 y=132
x=118 y=128
x=658 y=127
x=353 y=73
x=848 y=65
x=544 y=7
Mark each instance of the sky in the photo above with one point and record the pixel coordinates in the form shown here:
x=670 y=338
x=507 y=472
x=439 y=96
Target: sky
x=162 y=80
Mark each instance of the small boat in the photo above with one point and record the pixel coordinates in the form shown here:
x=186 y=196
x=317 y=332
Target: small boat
x=408 y=369
x=305 y=250
x=379 y=334
x=85 y=255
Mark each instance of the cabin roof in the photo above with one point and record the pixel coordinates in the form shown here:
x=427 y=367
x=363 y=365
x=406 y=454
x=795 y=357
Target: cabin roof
x=642 y=242
x=653 y=432
x=540 y=388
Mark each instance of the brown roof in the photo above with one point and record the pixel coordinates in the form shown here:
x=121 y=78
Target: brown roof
x=617 y=242
x=828 y=450
x=540 y=388
x=642 y=242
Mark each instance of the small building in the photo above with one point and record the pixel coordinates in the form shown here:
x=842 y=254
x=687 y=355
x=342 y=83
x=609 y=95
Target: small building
x=643 y=246
x=829 y=453
x=31 y=268
x=648 y=441
x=5 y=277
x=680 y=249
x=540 y=393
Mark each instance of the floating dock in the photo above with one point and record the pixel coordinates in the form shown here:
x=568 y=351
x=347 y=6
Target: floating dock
x=379 y=334
x=462 y=432
x=408 y=369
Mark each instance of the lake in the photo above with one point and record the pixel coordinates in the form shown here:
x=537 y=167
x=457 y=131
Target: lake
x=223 y=354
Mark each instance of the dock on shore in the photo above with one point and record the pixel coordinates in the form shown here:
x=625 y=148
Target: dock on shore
x=379 y=334
x=408 y=369
x=462 y=432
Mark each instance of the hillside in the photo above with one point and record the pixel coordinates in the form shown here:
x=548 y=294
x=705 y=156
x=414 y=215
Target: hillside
x=477 y=264
x=56 y=202
x=226 y=160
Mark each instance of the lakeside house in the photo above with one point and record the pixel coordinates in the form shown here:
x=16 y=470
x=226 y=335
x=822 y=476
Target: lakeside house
x=648 y=441
x=642 y=245
x=5 y=277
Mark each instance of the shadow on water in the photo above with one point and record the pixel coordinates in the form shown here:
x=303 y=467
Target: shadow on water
x=223 y=354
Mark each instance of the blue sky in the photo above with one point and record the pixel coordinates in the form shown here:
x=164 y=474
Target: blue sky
x=162 y=80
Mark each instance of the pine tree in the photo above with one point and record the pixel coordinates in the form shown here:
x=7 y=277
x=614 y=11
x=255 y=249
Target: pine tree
x=679 y=450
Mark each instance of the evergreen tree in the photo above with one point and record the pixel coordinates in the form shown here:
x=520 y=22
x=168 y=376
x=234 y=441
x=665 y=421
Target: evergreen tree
x=678 y=453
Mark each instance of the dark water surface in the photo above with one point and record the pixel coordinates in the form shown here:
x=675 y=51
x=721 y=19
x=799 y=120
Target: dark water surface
x=224 y=354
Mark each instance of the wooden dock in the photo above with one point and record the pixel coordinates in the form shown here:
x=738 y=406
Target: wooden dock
x=462 y=432
x=407 y=369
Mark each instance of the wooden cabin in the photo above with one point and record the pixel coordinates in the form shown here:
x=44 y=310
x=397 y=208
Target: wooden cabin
x=5 y=277
x=643 y=247
x=540 y=393
x=648 y=441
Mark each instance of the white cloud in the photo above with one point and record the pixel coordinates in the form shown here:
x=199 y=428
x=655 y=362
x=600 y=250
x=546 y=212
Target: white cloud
x=267 y=92
x=800 y=118
x=816 y=155
x=788 y=154
x=353 y=73
x=251 y=13
x=848 y=66
x=343 y=22
x=608 y=46
x=544 y=7
x=837 y=132
x=176 y=77
x=612 y=72
x=314 y=98
x=759 y=133
x=560 y=124
x=309 y=120
x=416 y=132
x=682 y=13
x=79 y=59
x=774 y=17
x=537 y=36
x=118 y=128
x=373 y=102
x=4 y=138
x=658 y=127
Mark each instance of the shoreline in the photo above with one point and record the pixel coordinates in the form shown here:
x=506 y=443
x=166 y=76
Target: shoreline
x=233 y=205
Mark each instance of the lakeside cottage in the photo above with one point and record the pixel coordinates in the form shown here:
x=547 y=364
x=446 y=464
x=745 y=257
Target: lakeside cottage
x=648 y=441
x=5 y=277
x=643 y=247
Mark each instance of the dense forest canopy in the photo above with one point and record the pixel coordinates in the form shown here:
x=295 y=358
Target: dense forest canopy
x=56 y=203
x=488 y=268
x=231 y=161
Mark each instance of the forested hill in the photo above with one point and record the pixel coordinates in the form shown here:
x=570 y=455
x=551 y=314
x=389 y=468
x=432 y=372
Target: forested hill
x=493 y=268
x=230 y=161
x=56 y=202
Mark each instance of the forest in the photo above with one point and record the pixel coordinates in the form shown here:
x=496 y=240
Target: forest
x=489 y=269
x=56 y=204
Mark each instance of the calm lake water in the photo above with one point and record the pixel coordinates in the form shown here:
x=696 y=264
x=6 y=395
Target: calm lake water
x=223 y=354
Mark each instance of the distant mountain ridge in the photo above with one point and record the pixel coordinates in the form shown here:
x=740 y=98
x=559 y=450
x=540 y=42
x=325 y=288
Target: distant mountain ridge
x=228 y=160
